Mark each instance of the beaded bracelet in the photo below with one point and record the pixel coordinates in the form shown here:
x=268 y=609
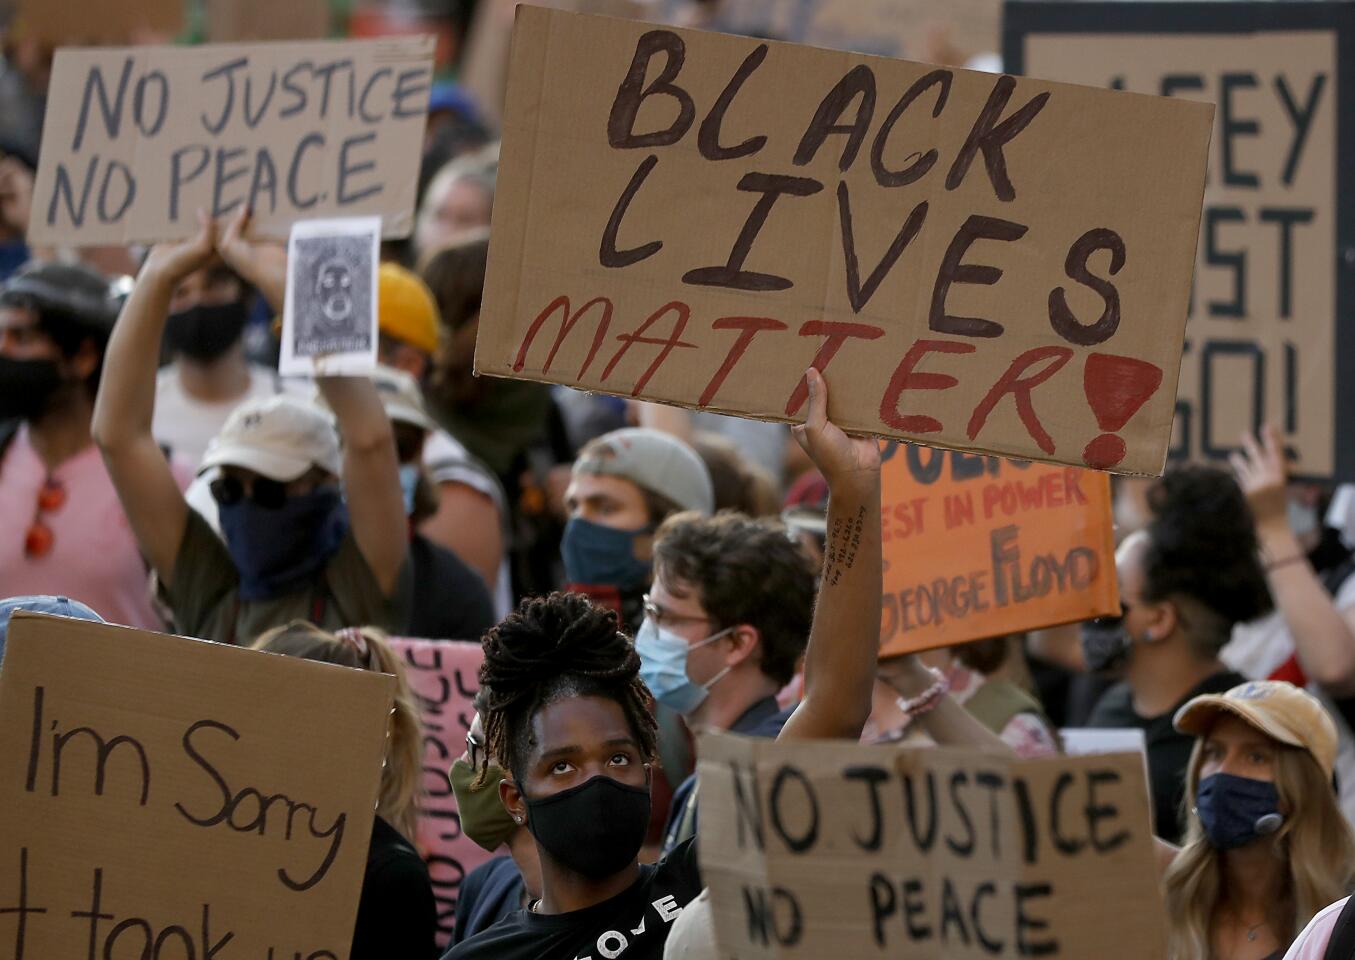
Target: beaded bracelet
x=914 y=707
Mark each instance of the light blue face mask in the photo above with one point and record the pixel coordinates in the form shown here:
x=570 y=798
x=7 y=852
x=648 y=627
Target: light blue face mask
x=409 y=482
x=663 y=667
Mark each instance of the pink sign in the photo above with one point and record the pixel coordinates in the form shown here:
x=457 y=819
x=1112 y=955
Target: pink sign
x=444 y=678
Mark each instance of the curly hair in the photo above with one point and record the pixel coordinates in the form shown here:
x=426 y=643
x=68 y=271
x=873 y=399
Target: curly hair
x=747 y=571
x=554 y=648
x=1202 y=545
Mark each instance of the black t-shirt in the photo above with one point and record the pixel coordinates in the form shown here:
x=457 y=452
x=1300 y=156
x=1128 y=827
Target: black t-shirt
x=450 y=600
x=1168 y=751
x=633 y=925
x=490 y=893
x=396 y=913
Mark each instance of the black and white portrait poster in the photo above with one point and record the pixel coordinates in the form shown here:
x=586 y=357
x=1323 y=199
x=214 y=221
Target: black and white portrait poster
x=329 y=326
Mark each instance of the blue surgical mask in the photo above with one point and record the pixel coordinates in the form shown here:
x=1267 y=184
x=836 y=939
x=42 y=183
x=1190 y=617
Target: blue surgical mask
x=595 y=555
x=276 y=549
x=409 y=482
x=1234 y=811
x=663 y=667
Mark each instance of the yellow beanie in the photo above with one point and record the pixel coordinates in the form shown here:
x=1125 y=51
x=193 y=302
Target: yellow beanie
x=405 y=308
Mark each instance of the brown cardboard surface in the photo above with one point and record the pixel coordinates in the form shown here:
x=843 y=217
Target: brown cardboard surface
x=187 y=731
x=893 y=28
x=61 y=22
x=628 y=242
x=136 y=140
x=833 y=849
x=1262 y=328
x=231 y=21
x=980 y=547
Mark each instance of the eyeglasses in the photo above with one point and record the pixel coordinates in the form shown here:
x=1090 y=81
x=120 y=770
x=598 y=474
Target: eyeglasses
x=267 y=493
x=39 y=540
x=473 y=748
x=659 y=616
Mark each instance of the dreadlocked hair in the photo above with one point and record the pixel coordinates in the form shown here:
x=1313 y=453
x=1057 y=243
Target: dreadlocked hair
x=550 y=649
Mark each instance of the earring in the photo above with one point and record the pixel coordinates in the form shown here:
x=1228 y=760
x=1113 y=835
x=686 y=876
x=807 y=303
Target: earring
x=518 y=821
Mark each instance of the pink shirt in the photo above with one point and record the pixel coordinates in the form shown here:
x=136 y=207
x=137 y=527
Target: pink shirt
x=94 y=556
x=1312 y=942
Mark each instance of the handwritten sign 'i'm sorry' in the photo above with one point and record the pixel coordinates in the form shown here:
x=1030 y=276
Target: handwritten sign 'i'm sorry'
x=976 y=261
x=166 y=797
x=137 y=140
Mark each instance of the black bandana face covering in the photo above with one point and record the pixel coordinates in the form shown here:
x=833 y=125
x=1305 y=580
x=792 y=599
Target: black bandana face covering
x=595 y=829
x=26 y=387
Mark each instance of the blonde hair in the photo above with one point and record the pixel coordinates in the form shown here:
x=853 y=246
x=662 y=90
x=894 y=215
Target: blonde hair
x=1315 y=842
x=366 y=648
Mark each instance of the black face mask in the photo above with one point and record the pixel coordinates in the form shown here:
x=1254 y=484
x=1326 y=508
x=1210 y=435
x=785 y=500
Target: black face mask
x=1105 y=644
x=26 y=387
x=206 y=331
x=595 y=829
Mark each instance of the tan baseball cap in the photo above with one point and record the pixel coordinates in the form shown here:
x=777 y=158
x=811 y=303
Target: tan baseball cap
x=1277 y=708
x=279 y=437
x=402 y=398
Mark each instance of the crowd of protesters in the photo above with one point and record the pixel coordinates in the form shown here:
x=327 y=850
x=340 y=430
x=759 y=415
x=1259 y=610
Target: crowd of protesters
x=635 y=574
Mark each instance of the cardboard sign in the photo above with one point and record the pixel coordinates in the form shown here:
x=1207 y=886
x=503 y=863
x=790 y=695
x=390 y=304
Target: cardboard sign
x=979 y=547
x=832 y=849
x=1269 y=336
x=443 y=676
x=975 y=261
x=173 y=796
x=888 y=28
x=61 y=22
x=233 y=21
x=137 y=140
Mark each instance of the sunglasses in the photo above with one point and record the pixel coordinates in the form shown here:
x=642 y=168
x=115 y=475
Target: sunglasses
x=269 y=494
x=39 y=540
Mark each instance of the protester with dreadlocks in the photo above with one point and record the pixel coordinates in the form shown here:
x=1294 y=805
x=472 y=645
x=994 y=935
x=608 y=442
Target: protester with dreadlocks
x=568 y=718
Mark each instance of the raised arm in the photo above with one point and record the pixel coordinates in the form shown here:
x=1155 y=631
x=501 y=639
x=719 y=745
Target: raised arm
x=262 y=264
x=948 y=723
x=371 y=475
x=1324 y=636
x=126 y=403
x=840 y=659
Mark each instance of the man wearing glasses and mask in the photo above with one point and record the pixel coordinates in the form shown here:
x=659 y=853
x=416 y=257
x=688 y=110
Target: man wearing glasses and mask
x=64 y=531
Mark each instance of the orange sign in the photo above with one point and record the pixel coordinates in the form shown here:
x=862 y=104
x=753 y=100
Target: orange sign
x=979 y=547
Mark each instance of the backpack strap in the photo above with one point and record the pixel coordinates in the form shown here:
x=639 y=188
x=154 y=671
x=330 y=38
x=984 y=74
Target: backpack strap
x=1342 y=943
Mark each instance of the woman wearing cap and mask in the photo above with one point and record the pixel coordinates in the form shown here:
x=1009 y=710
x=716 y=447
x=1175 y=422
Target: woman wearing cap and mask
x=1266 y=846
x=295 y=546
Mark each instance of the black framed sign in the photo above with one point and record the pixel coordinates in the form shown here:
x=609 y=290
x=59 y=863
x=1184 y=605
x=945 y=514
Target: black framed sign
x=1271 y=334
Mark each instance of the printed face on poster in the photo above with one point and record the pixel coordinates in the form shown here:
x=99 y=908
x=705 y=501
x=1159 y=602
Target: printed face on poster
x=976 y=262
x=979 y=547
x=329 y=323
x=1269 y=337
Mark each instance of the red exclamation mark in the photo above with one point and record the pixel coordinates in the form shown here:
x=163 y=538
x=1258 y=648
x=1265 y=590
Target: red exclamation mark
x=1116 y=388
